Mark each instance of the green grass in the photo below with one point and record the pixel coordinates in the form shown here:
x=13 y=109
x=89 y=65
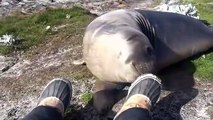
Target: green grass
x=32 y=29
x=205 y=11
x=86 y=97
x=204 y=66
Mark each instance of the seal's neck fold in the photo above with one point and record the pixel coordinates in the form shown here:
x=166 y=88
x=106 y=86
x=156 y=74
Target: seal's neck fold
x=146 y=28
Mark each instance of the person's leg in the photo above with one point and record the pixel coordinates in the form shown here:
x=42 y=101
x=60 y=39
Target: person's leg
x=53 y=101
x=44 y=113
x=142 y=94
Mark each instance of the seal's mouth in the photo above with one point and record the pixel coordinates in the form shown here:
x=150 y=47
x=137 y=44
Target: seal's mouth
x=143 y=68
x=134 y=67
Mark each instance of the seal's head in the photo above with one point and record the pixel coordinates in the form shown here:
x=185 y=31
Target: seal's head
x=117 y=53
x=141 y=53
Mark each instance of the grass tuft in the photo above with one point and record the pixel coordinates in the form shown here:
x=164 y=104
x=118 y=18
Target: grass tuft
x=205 y=10
x=204 y=67
x=32 y=29
x=86 y=97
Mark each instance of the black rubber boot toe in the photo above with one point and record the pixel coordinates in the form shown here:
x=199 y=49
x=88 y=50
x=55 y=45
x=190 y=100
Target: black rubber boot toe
x=148 y=85
x=59 y=88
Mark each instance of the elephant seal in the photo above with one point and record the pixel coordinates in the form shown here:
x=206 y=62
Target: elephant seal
x=123 y=44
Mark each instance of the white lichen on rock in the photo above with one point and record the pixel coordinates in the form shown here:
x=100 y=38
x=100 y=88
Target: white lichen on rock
x=188 y=10
x=7 y=40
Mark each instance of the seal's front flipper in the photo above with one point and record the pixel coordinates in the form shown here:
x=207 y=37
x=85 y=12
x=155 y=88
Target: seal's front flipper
x=105 y=85
x=106 y=94
x=79 y=62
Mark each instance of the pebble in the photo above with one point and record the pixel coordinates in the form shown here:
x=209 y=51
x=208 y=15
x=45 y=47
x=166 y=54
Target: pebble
x=6 y=63
x=5 y=4
x=48 y=27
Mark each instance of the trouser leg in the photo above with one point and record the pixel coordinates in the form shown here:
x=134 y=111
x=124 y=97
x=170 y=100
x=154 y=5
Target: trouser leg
x=44 y=113
x=134 y=114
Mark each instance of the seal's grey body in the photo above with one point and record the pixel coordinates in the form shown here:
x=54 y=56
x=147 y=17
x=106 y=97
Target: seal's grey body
x=121 y=45
x=110 y=40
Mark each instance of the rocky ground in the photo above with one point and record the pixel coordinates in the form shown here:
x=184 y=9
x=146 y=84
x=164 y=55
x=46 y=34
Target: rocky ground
x=22 y=77
x=95 y=6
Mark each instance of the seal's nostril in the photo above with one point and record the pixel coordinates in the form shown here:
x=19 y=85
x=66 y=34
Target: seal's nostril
x=149 y=51
x=135 y=67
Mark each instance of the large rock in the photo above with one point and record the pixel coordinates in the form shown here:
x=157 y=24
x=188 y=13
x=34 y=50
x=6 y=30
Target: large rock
x=175 y=7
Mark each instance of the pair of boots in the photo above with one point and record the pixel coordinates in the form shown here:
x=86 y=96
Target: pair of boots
x=143 y=93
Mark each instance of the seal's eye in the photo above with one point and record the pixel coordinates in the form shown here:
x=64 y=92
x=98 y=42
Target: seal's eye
x=149 y=50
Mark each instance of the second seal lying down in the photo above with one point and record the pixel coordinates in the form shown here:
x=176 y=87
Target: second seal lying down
x=123 y=44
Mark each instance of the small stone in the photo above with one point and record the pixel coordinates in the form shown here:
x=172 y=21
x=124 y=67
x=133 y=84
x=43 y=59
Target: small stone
x=68 y=16
x=86 y=1
x=55 y=29
x=6 y=63
x=110 y=2
x=121 y=1
x=210 y=3
x=122 y=6
x=12 y=112
x=210 y=99
x=5 y=68
x=24 y=12
x=48 y=27
x=172 y=2
x=21 y=3
x=97 y=3
x=5 y=3
x=90 y=6
x=204 y=56
x=116 y=3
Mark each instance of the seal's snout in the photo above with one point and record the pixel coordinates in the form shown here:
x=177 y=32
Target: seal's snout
x=143 y=60
x=143 y=68
x=149 y=51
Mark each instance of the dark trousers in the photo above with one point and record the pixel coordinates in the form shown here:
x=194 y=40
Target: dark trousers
x=134 y=114
x=50 y=113
x=44 y=113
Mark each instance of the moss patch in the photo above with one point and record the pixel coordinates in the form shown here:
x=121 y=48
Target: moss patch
x=86 y=97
